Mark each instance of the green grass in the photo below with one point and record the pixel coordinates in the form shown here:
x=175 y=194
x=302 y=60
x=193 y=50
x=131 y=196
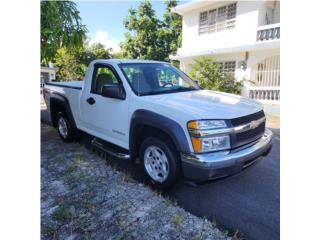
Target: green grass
x=62 y=214
x=197 y=237
x=78 y=159
x=177 y=219
x=48 y=230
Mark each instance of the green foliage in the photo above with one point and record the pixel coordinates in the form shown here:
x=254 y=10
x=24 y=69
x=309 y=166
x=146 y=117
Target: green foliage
x=60 y=27
x=93 y=52
x=177 y=219
x=72 y=64
x=147 y=36
x=62 y=213
x=172 y=28
x=69 y=66
x=209 y=75
x=175 y=63
x=118 y=55
x=141 y=40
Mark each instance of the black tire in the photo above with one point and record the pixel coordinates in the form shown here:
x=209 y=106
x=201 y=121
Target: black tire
x=69 y=136
x=168 y=148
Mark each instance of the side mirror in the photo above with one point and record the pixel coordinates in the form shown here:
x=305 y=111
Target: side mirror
x=197 y=82
x=113 y=91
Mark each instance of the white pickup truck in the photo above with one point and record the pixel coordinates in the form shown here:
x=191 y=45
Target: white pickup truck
x=153 y=114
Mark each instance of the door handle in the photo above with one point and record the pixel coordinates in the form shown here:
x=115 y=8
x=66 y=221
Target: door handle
x=91 y=100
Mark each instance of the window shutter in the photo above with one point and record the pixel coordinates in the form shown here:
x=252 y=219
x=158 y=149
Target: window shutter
x=219 y=19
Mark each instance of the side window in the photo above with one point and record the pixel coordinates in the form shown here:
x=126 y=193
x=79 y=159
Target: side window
x=102 y=75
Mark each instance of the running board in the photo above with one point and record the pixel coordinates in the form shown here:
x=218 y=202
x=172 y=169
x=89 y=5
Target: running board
x=113 y=151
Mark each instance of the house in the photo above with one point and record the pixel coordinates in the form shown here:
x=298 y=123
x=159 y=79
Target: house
x=243 y=36
x=47 y=74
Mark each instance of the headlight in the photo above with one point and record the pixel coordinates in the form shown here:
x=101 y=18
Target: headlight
x=206 y=138
x=207 y=124
x=209 y=144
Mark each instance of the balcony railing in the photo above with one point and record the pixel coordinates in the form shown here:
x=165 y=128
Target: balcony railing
x=268 y=32
x=267 y=94
x=265 y=77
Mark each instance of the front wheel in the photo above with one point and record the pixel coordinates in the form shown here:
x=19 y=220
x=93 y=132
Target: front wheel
x=160 y=161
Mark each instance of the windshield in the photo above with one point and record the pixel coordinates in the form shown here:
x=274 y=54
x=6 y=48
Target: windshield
x=156 y=78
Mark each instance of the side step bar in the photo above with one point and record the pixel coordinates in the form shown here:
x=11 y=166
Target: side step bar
x=113 y=151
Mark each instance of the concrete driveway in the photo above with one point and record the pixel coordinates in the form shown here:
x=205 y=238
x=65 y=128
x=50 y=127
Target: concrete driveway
x=248 y=202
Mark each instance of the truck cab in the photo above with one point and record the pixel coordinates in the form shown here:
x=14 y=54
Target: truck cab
x=155 y=115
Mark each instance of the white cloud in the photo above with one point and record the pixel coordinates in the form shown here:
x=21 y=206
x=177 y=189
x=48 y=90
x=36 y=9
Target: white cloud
x=103 y=38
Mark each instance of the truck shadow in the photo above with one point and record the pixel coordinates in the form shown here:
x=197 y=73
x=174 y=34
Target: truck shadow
x=130 y=170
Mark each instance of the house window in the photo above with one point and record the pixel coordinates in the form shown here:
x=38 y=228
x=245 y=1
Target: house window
x=203 y=21
x=228 y=67
x=219 y=19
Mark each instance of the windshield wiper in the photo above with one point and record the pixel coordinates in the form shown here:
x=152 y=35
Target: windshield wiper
x=179 y=89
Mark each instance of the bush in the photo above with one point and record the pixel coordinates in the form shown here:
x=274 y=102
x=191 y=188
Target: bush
x=209 y=75
x=69 y=67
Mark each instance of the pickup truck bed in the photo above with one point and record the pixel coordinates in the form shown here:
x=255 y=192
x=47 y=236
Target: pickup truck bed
x=71 y=84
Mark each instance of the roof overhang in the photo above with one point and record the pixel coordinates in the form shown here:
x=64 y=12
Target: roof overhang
x=193 y=5
x=243 y=48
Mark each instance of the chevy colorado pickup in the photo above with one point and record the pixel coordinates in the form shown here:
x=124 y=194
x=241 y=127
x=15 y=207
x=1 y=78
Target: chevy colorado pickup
x=153 y=114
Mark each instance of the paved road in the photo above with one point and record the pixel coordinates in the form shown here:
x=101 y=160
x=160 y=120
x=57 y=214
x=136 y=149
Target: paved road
x=248 y=202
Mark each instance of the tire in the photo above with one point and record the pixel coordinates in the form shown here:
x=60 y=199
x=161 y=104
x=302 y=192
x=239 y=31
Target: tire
x=65 y=129
x=158 y=155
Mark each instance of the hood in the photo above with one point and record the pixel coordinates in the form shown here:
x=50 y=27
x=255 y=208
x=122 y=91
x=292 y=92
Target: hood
x=206 y=104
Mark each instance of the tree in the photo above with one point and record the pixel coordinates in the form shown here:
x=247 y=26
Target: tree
x=95 y=51
x=69 y=66
x=60 y=27
x=172 y=29
x=209 y=75
x=141 y=40
x=72 y=63
x=147 y=36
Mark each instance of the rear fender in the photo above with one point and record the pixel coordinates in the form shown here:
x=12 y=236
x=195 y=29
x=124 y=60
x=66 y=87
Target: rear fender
x=57 y=98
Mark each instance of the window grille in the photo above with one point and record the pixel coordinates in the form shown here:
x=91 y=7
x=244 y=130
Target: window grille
x=219 y=19
x=227 y=67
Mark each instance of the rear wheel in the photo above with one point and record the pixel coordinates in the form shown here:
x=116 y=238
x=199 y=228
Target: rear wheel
x=160 y=161
x=65 y=130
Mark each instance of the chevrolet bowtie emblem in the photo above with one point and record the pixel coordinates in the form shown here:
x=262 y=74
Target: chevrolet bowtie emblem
x=254 y=124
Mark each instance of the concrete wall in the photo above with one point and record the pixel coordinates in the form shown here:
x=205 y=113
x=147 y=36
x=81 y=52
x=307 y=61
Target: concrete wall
x=254 y=57
x=245 y=31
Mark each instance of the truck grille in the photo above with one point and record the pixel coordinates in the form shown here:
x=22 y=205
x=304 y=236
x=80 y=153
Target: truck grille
x=246 y=119
x=242 y=138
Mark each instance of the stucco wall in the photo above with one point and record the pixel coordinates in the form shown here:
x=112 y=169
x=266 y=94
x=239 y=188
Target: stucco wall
x=254 y=57
x=247 y=21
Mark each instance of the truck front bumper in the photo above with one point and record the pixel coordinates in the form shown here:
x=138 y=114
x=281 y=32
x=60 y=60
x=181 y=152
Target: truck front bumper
x=208 y=166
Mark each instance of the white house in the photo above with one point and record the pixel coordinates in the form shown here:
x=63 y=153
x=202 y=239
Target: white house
x=243 y=36
x=47 y=74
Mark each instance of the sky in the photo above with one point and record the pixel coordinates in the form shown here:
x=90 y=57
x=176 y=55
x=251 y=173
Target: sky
x=104 y=19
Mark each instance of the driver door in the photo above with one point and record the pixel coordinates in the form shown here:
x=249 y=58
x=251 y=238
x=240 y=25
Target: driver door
x=105 y=117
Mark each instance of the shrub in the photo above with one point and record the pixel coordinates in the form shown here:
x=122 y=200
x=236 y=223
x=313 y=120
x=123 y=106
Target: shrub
x=209 y=75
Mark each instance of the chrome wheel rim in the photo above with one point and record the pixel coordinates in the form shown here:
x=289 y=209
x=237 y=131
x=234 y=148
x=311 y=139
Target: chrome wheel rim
x=156 y=163
x=63 y=129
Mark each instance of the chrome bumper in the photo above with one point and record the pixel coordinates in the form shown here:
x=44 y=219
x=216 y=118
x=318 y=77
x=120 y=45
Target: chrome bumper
x=230 y=158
